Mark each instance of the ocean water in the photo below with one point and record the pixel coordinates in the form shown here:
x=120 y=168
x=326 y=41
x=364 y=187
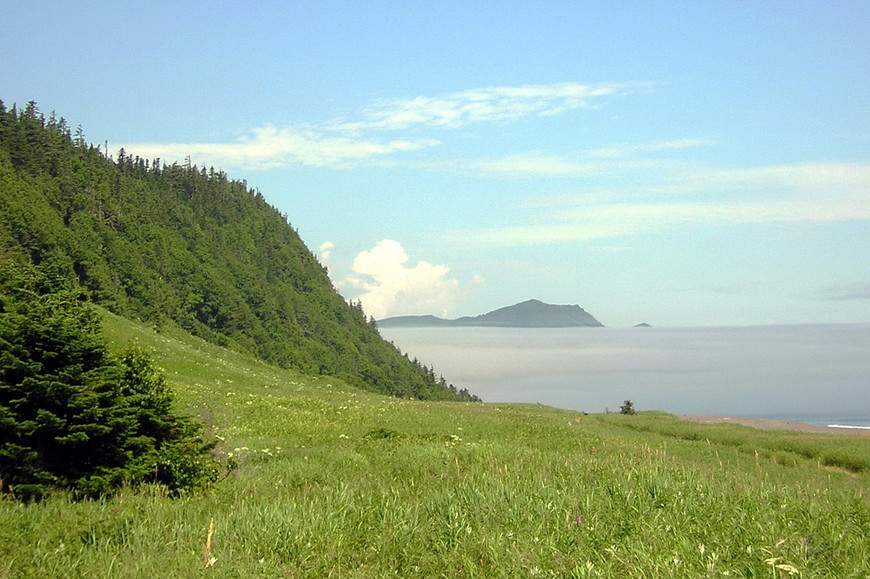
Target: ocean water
x=818 y=374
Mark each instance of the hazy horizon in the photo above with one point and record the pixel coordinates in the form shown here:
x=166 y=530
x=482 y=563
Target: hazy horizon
x=810 y=373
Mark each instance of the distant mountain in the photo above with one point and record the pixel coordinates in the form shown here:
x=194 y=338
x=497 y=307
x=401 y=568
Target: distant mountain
x=642 y=325
x=415 y=322
x=528 y=314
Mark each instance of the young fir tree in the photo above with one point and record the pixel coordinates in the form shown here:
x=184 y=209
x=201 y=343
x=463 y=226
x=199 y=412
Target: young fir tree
x=73 y=415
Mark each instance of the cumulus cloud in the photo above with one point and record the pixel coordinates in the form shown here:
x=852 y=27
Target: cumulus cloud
x=325 y=251
x=389 y=286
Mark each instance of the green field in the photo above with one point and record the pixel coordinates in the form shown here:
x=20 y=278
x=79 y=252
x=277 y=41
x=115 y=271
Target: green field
x=336 y=482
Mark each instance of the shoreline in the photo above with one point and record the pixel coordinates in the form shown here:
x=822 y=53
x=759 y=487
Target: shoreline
x=768 y=424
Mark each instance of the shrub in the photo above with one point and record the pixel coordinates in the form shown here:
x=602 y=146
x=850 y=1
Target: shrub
x=72 y=414
x=627 y=407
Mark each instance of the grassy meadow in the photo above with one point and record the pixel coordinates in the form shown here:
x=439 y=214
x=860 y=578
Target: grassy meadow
x=336 y=482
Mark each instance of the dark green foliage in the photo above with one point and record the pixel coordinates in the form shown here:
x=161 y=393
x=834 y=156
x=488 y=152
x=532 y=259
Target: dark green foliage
x=627 y=407
x=185 y=245
x=381 y=434
x=72 y=415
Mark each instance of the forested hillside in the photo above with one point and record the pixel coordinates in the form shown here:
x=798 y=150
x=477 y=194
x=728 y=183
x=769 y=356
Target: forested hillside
x=186 y=245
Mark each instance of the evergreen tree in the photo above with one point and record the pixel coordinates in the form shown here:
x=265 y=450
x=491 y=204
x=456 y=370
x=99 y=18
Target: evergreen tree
x=72 y=415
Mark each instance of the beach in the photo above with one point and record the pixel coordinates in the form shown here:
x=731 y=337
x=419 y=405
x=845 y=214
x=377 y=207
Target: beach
x=767 y=424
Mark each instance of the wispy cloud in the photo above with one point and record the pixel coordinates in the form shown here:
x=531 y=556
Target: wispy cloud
x=492 y=104
x=847 y=292
x=269 y=147
x=586 y=163
x=531 y=165
x=800 y=193
x=628 y=149
x=346 y=143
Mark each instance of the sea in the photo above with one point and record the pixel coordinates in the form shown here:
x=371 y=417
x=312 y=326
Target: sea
x=817 y=374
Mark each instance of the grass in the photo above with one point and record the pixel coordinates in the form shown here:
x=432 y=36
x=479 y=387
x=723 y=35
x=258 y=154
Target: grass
x=846 y=452
x=336 y=482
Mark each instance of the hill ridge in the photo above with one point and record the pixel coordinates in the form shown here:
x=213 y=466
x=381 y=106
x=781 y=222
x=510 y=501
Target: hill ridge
x=188 y=246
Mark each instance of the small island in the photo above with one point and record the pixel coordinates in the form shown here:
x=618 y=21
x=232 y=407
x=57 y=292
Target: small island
x=527 y=314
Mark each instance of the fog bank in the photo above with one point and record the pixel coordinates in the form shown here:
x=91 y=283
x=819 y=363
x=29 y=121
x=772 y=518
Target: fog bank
x=812 y=373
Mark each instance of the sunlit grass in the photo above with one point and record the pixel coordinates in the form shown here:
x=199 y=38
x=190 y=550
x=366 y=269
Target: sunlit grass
x=333 y=481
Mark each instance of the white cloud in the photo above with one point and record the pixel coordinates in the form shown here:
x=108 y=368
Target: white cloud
x=491 y=104
x=389 y=287
x=268 y=147
x=340 y=144
x=533 y=165
x=799 y=193
x=607 y=161
x=325 y=250
x=629 y=149
x=800 y=176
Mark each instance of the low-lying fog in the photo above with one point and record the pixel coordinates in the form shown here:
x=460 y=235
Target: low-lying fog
x=812 y=373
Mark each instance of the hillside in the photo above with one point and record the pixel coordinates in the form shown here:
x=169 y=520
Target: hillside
x=527 y=314
x=336 y=482
x=329 y=480
x=187 y=246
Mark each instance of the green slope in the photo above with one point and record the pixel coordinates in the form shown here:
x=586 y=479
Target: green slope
x=335 y=481
x=186 y=246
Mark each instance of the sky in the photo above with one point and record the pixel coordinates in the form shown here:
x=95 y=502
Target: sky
x=681 y=163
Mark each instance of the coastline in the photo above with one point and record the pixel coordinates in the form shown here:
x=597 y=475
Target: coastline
x=767 y=424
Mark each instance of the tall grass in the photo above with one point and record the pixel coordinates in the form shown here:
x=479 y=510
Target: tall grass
x=335 y=482
x=847 y=452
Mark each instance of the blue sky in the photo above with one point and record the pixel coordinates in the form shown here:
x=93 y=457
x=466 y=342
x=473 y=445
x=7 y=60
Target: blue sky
x=679 y=163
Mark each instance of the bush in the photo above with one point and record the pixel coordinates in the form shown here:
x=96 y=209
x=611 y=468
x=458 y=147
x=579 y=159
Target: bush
x=73 y=415
x=627 y=407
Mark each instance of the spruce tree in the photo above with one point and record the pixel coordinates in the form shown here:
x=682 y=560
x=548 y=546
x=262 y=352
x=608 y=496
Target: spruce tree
x=72 y=414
